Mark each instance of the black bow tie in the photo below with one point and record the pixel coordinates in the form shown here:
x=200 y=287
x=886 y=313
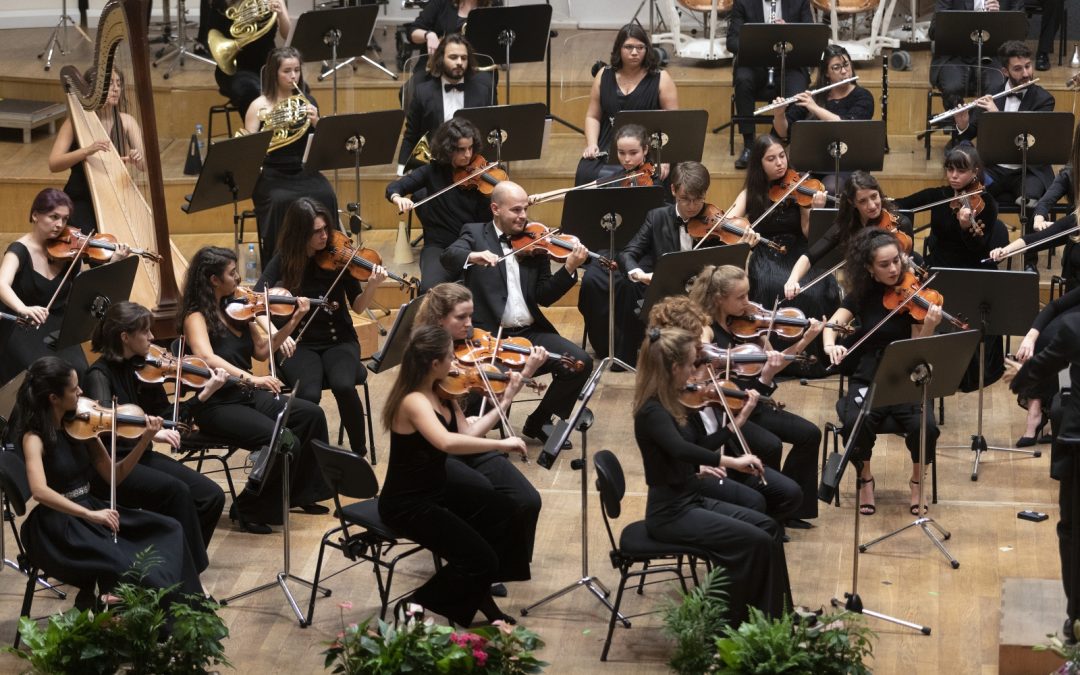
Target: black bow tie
x=1015 y=94
x=504 y=239
x=460 y=86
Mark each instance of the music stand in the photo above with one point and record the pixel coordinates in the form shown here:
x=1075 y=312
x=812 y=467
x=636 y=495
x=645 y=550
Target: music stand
x=782 y=46
x=999 y=302
x=397 y=339
x=92 y=292
x=510 y=35
x=842 y=145
x=228 y=175
x=674 y=271
x=515 y=131
x=918 y=370
x=597 y=218
x=969 y=34
x=674 y=135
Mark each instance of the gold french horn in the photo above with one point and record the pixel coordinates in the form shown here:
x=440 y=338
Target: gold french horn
x=251 y=20
x=287 y=118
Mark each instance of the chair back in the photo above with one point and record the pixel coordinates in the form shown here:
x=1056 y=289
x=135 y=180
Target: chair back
x=13 y=483
x=346 y=472
x=610 y=482
x=416 y=67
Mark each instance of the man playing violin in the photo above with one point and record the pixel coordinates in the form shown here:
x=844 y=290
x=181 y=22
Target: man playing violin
x=453 y=148
x=508 y=290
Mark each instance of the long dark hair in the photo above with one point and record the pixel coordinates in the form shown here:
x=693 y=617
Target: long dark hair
x=860 y=254
x=123 y=317
x=296 y=229
x=446 y=137
x=830 y=53
x=662 y=349
x=427 y=344
x=48 y=199
x=757 y=181
x=208 y=261
x=33 y=410
x=847 y=215
x=637 y=31
x=435 y=61
x=965 y=158
x=268 y=79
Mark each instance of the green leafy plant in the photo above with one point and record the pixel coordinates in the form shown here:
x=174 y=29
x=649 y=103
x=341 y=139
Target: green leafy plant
x=1070 y=651
x=75 y=641
x=694 y=621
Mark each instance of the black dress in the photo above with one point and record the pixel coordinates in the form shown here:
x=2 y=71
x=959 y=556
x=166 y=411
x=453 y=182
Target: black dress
x=83 y=554
x=1070 y=252
x=23 y=346
x=441 y=17
x=78 y=187
x=464 y=527
x=645 y=96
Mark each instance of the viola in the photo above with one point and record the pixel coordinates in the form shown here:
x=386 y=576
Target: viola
x=91 y=419
x=974 y=202
x=512 y=351
x=466 y=379
x=159 y=364
x=539 y=238
x=484 y=181
x=246 y=304
x=710 y=223
x=643 y=176
x=804 y=194
x=890 y=222
x=701 y=394
x=100 y=247
x=340 y=252
x=921 y=300
x=745 y=360
x=786 y=322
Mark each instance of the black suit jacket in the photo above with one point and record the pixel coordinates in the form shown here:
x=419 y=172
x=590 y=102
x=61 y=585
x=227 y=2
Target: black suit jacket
x=425 y=112
x=1035 y=99
x=969 y=6
x=488 y=284
x=752 y=11
x=659 y=234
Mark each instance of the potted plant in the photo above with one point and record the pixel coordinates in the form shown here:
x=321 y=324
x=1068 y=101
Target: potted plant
x=694 y=621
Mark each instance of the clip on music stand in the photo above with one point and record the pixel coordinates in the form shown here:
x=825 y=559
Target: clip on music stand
x=1014 y=138
x=842 y=145
x=515 y=131
x=674 y=135
x=511 y=35
x=397 y=339
x=92 y=293
x=999 y=302
x=675 y=271
x=228 y=176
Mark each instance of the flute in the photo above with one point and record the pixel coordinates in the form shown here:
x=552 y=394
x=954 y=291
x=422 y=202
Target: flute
x=813 y=92
x=937 y=119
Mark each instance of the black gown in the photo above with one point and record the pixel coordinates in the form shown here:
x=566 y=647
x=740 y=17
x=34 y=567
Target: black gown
x=83 y=554
x=645 y=96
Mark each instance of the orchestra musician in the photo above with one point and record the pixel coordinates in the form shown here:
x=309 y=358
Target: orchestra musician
x=245 y=414
x=284 y=179
x=75 y=536
x=452 y=82
x=453 y=147
x=875 y=264
x=759 y=83
x=791 y=491
x=955 y=76
x=675 y=455
x=440 y=18
x=245 y=85
x=125 y=137
x=157 y=482
x=508 y=290
x=633 y=81
x=328 y=354
x=466 y=528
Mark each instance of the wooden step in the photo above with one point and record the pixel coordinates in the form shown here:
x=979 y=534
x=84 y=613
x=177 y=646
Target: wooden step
x=1030 y=610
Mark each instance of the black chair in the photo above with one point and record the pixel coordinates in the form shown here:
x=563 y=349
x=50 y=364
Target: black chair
x=635 y=545
x=361 y=536
x=227 y=109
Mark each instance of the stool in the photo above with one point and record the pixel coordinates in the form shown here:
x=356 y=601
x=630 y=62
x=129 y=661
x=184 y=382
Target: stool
x=223 y=109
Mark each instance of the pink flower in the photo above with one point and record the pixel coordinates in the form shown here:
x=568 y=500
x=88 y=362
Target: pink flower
x=481 y=657
x=503 y=626
x=458 y=639
x=345 y=605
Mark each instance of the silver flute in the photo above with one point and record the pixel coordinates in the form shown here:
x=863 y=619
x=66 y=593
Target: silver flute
x=968 y=106
x=813 y=92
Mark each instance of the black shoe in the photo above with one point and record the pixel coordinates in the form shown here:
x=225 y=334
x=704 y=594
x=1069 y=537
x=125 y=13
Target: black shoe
x=743 y=160
x=798 y=524
x=498 y=590
x=1068 y=632
x=314 y=509
x=1031 y=268
x=247 y=526
x=1025 y=441
x=1042 y=61
x=537 y=430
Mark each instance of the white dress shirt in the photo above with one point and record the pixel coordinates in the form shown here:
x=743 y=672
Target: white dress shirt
x=516 y=313
x=452 y=101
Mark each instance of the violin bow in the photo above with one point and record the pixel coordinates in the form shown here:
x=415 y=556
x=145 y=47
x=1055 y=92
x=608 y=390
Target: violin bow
x=494 y=357
x=718 y=223
x=819 y=277
x=325 y=297
x=270 y=335
x=780 y=201
x=474 y=174
x=562 y=192
x=888 y=316
x=68 y=272
x=179 y=370
x=731 y=422
x=112 y=463
x=1028 y=246
x=939 y=203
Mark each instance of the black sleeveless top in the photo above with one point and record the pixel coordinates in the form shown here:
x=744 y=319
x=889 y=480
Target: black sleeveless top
x=417 y=469
x=33 y=288
x=290 y=158
x=645 y=96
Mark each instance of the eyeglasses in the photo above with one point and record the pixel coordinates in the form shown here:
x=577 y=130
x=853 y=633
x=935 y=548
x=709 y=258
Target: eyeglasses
x=840 y=67
x=689 y=200
x=634 y=48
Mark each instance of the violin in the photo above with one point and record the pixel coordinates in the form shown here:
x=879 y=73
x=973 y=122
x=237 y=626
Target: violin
x=729 y=230
x=91 y=419
x=643 y=176
x=745 y=360
x=340 y=252
x=537 y=237
x=921 y=300
x=974 y=202
x=246 y=304
x=804 y=194
x=484 y=181
x=99 y=248
x=890 y=222
x=466 y=379
x=512 y=351
x=159 y=364
x=699 y=395
x=786 y=322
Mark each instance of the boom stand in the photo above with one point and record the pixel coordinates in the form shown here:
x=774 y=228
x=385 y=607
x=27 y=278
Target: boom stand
x=922 y=369
x=58 y=38
x=1006 y=303
x=518 y=34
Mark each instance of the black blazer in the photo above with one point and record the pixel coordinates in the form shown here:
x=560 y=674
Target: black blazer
x=488 y=284
x=1035 y=99
x=659 y=234
x=969 y=6
x=425 y=112
x=752 y=11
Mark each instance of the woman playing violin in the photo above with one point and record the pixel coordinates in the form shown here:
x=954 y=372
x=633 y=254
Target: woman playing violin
x=875 y=265
x=157 y=482
x=328 y=354
x=723 y=292
x=453 y=148
x=245 y=416
x=71 y=531
x=29 y=279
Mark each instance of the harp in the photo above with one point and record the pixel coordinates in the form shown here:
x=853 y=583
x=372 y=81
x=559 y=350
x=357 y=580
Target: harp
x=130 y=207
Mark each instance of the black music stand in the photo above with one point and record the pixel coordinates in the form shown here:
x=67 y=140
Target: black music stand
x=510 y=35
x=228 y=175
x=835 y=146
x=92 y=293
x=675 y=271
x=821 y=220
x=515 y=131
x=969 y=34
x=597 y=218
x=674 y=135
x=999 y=302
x=397 y=339
x=358 y=139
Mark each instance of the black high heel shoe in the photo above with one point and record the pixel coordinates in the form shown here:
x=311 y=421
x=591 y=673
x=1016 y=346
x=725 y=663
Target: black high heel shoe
x=245 y=525
x=1039 y=437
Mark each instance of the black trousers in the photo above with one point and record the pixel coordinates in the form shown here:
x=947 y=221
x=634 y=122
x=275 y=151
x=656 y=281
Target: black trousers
x=337 y=368
x=766 y=433
x=752 y=84
x=731 y=491
x=906 y=417
x=241 y=89
x=1052 y=13
x=1064 y=468
x=593 y=303
x=566 y=383
x=250 y=424
x=955 y=78
x=1006 y=185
